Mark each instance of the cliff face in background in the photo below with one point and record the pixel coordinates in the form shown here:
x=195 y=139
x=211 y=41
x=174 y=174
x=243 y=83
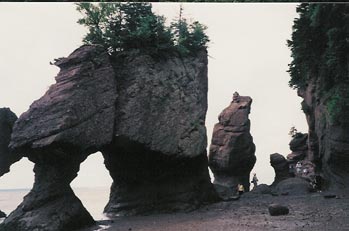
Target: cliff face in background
x=328 y=140
x=7 y=158
x=320 y=72
x=232 y=151
x=146 y=116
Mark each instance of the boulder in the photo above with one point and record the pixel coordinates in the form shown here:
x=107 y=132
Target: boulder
x=278 y=210
x=232 y=151
x=2 y=214
x=7 y=158
x=281 y=168
x=262 y=189
x=293 y=186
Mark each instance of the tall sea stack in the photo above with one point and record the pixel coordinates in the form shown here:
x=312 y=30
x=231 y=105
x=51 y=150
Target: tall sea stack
x=232 y=151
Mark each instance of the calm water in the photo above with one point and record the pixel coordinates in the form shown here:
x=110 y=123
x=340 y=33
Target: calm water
x=94 y=200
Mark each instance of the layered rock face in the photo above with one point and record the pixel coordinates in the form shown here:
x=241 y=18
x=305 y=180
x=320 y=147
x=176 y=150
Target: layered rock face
x=281 y=167
x=328 y=145
x=147 y=118
x=72 y=120
x=7 y=158
x=158 y=157
x=232 y=149
x=319 y=70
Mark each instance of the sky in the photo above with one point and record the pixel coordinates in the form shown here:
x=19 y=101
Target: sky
x=247 y=53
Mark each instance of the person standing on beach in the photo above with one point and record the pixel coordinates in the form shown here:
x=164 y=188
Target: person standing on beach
x=254 y=180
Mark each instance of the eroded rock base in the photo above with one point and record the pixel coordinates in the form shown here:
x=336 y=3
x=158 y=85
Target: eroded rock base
x=149 y=182
x=51 y=204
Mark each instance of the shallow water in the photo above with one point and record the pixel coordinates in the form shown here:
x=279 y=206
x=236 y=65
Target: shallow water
x=94 y=200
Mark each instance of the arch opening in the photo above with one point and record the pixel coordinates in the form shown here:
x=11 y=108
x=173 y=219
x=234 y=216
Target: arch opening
x=92 y=185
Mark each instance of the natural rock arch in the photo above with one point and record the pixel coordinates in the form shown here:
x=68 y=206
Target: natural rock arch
x=147 y=118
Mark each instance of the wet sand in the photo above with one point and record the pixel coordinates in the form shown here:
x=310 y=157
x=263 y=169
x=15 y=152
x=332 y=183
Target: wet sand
x=250 y=212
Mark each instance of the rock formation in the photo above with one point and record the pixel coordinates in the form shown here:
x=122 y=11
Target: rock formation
x=232 y=149
x=7 y=158
x=299 y=148
x=292 y=186
x=319 y=71
x=146 y=116
x=328 y=144
x=158 y=157
x=281 y=167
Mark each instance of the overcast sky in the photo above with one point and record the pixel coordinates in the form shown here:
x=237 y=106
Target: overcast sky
x=248 y=54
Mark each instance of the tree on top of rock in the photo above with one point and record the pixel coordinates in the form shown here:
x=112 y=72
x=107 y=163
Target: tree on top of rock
x=125 y=26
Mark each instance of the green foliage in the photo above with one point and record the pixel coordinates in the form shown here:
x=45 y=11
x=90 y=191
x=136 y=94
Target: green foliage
x=338 y=105
x=125 y=26
x=320 y=46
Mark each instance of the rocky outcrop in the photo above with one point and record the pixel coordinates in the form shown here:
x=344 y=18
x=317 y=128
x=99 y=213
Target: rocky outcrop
x=260 y=189
x=319 y=70
x=73 y=119
x=2 y=214
x=281 y=167
x=231 y=156
x=158 y=157
x=76 y=111
x=292 y=186
x=299 y=147
x=328 y=146
x=146 y=116
x=7 y=158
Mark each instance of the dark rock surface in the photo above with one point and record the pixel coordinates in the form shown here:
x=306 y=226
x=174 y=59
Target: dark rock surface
x=158 y=156
x=299 y=147
x=232 y=149
x=281 y=168
x=7 y=158
x=261 y=189
x=73 y=119
x=78 y=110
x=2 y=214
x=51 y=205
x=162 y=104
x=278 y=210
x=293 y=186
x=146 y=116
x=328 y=145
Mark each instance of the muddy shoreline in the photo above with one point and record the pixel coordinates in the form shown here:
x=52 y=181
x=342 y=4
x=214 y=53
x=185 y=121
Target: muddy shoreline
x=250 y=212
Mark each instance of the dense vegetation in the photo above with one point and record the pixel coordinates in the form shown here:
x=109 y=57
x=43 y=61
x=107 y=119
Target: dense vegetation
x=320 y=45
x=320 y=52
x=126 y=26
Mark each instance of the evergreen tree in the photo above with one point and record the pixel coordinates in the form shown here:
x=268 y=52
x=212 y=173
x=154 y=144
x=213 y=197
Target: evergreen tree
x=125 y=26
